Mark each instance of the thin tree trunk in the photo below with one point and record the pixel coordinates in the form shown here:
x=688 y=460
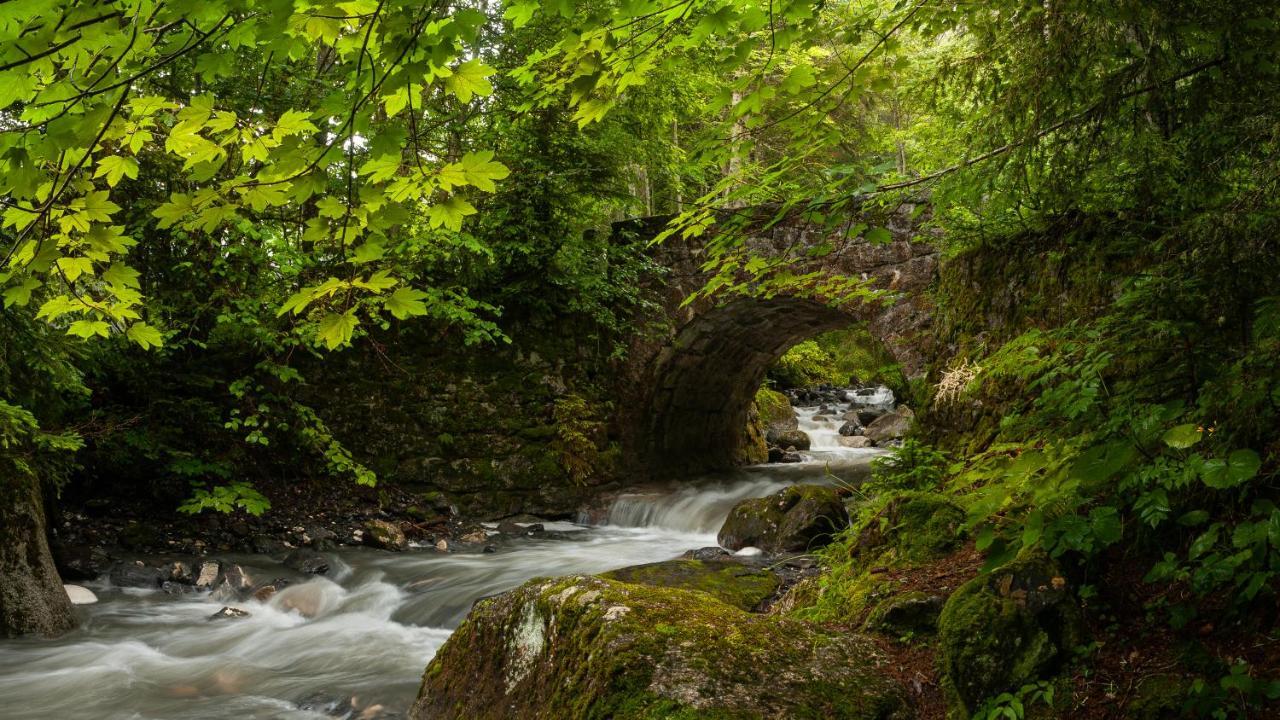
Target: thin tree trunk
x=31 y=596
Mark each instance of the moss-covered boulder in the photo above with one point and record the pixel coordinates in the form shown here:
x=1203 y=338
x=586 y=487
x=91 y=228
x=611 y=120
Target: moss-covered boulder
x=913 y=527
x=795 y=519
x=726 y=580
x=384 y=535
x=583 y=647
x=775 y=410
x=1015 y=625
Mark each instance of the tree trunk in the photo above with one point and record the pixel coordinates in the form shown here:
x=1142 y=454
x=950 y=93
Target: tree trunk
x=31 y=596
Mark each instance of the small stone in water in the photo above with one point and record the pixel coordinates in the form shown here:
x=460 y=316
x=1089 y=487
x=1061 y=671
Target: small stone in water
x=80 y=595
x=442 y=545
x=208 y=574
x=229 y=612
x=749 y=552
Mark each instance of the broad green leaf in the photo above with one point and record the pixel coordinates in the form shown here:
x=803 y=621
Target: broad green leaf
x=1182 y=436
x=20 y=294
x=144 y=335
x=1239 y=467
x=122 y=275
x=450 y=213
x=878 y=236
x=74 y=267
x=406 y=303
x=88 y=328
x=115 y=167
x=335 y=329
x=377 y=282
x=470 y=79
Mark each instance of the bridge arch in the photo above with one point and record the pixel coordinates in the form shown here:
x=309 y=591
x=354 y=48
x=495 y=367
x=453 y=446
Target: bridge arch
x=696 y=384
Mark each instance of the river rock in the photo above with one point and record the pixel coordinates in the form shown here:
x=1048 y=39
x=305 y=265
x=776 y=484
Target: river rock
x=706 y=553
x=1007 y=628
x=80 y=595
x=384 y=536
x=176 y=589
x=308 y=561
x=179 y=572
x=233 y=584
x=851 y=427
x=208 y=575
x=856 y=442
x=726 y=580
x=796 y=439
x=891 y=426
x=137 y=575
x=580 y=647
x=778 y=455
x=264 y=593
x=229 y=613
x=794 y=519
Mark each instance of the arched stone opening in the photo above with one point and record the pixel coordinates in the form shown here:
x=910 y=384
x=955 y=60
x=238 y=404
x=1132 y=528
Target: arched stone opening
x=707 y=378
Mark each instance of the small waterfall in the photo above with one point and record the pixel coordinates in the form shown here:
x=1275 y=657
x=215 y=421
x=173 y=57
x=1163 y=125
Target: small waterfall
x=692 y=509
x=824 y=433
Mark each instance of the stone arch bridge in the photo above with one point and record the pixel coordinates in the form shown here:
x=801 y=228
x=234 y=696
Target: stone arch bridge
x=692 y=373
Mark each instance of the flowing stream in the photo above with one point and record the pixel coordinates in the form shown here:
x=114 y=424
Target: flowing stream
x=354 y=643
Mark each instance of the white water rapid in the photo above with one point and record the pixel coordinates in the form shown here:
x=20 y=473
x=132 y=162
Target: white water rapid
x=353 y=644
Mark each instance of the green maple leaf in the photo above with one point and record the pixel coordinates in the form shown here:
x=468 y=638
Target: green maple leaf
x=450 y=213
x=336 y=329
x=406 y=303
x=115 y=167
x=470 y=79
x=145 y=335
x=88 y=328
x=176 y=210
x=20 y=294
x=377 y=282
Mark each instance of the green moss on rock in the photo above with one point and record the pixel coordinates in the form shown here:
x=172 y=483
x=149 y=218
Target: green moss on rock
x=1015 y=625
x=914 y=527
x=728 y=581
x=584 y=647
x=795 y=519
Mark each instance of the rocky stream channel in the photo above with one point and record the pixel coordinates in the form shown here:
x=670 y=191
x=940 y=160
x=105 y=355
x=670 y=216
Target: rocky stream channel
x=345 y=632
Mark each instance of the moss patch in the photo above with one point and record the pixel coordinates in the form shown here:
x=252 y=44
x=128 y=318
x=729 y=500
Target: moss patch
x=727 y=581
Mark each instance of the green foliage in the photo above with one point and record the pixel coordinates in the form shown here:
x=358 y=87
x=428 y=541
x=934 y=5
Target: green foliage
x=1013 y=705
x=576 y=428
x=226 y=498
x=840 y=357
x=803 y=365
x=913 y=465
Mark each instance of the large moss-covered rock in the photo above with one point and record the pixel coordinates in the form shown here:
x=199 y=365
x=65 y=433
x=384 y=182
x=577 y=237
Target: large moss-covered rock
x=794 y=519
x=1015 y=625
x=583 y=647
x=726 y=580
